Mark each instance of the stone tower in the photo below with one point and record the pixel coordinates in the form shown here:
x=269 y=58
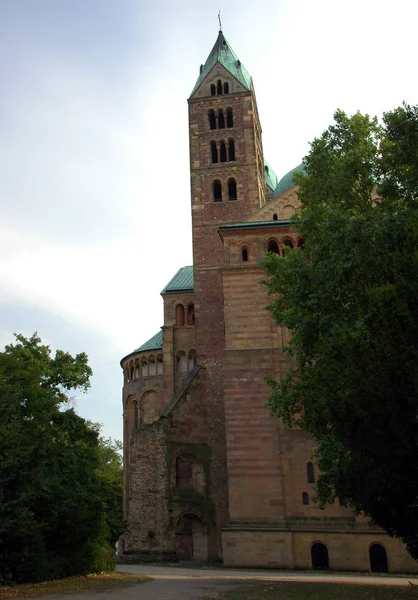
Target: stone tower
x=227 y=185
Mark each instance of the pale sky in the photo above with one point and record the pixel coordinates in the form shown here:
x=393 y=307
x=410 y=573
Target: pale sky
x=94 y=155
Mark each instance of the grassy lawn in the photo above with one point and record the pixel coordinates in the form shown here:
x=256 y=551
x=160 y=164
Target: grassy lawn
x=321 y=591
x=71 y=585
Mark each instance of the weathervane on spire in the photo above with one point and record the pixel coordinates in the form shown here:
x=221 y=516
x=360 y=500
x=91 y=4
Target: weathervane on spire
x=220 y=22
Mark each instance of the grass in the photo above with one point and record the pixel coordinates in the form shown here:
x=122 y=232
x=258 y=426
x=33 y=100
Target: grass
x=85 y=583
x=321 y=591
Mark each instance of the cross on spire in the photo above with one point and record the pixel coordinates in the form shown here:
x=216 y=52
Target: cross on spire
x=220 y=22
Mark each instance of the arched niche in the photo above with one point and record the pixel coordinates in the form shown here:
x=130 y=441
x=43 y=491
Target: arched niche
x=149 y=408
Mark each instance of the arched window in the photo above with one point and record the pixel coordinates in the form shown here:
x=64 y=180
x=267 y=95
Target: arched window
x=274 y=217
x=152 y=367
x=217 y=191
x=131 y=370
x=231 y=144
x=144 y=367
x=273 y=246
x=223 y=151
x=184 y=474
x=212 y=119
x=319 y=556
x=126 y=374
x=244 y=255
x=301 y=242
x=219 y=87
x=232 y=189
x=181 y=362
x=310 y=473
x=160 y=364
x=288 y=243
x=192 y=359
x=137 y=369
x=214 y=152
x=305 y=499
x=226 y=87
x=190 y=314
x=136 y=414
x=378 y=559
x=229 y=118
x=180 y=315
x=132 y=414
x=221 y=119
x=212 y=90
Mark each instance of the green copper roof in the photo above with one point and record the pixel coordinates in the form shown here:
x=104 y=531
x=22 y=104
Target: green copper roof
x=255 y=225
x=270 y=175
x=222 y=53
x=155 y=343
x=181 y=282
x=286 y=182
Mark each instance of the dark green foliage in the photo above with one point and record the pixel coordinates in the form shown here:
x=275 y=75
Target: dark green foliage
x=60 y=491
x=350 y=300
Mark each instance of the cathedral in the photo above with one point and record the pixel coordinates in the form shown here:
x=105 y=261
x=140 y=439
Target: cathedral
x=209 y=474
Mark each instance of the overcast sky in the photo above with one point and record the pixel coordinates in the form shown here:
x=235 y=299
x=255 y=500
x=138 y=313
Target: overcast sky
x=94 y=165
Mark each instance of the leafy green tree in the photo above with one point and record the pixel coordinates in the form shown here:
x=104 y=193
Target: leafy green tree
x=54 y=483
x=350 y=301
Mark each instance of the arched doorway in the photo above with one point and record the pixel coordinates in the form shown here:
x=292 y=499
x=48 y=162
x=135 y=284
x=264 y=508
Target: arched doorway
x=184 y=539
x=378 y=559
x=192 y=538
x=319 y=556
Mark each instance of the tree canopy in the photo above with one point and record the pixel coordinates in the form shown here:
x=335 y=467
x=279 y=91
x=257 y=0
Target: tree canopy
x=60 y=483
x=350 y=301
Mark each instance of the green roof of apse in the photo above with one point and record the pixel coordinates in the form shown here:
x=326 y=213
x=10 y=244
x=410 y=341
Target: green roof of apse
x=270 y=175
x=286 y=182
x=155 y=343
x=222 y=53
x=181 y=282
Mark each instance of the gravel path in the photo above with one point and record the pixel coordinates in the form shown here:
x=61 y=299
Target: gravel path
x=178 y=583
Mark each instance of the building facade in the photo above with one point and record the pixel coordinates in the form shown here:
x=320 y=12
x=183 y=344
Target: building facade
x=209 y=474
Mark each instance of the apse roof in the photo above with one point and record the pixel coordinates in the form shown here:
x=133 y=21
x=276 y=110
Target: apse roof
x=154 y=343
x=181 y=282
x=223 y=53
x=286 y=182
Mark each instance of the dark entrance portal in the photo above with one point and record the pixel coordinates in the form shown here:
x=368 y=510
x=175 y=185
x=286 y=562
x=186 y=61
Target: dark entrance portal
x=378 y=559
x=319 y=555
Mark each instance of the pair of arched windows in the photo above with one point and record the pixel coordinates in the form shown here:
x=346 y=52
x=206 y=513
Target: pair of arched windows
x=218 y=121
x=225 y=154
x=183 y=316
x=185 y=363
x=217 y=190
x=219 y=89
x=273 y=246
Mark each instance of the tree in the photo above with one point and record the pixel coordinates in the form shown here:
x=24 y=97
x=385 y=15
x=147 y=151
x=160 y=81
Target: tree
x=350 y=301
x=54 y=482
